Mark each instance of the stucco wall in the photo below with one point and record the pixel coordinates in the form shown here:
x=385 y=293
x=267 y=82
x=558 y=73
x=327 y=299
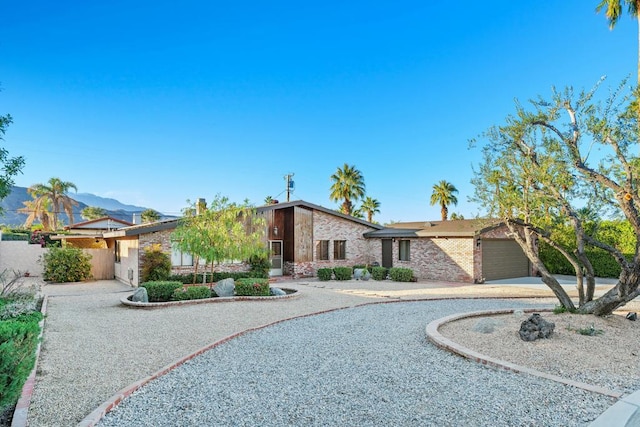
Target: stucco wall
x=128 y=261
x=21 y=256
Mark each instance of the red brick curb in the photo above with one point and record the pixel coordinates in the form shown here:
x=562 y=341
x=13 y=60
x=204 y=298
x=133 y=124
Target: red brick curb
x=439 y=340
x=22 y=407
x=149 y=305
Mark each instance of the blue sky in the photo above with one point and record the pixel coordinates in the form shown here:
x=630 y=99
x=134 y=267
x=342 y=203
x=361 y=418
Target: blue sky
x=154 y=103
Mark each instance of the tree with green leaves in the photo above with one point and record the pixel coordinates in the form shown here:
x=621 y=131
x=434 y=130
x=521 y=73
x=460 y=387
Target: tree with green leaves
x=92 y=212
x=444 y=194
x=54 y=192
x=225 y=231
x=11 y=166
x=348 y=186
x=613 y=12
x=545 y=164
x=150 y=215
x=370 y=207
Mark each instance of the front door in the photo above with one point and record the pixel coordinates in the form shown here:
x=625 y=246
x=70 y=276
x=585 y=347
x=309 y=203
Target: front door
x=275 y=256
x=387 y=253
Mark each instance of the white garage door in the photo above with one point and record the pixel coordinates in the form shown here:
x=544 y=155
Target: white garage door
x=503 y=259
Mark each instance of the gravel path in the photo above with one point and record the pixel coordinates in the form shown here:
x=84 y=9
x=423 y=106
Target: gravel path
x=364 y=366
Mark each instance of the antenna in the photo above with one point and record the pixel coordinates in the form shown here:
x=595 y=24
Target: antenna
x=290 y=184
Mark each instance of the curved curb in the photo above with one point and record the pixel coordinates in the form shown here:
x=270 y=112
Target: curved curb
x=625 y=412
x=150 y=305
x=445 y=343
x=22 y=407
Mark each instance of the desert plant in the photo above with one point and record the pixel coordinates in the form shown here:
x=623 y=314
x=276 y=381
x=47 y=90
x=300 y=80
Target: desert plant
x=379 y=273
x=342 y=273
x=399 y=274
x=161 y=291
x=252 y=287
x=156 y=265
x=191 y=292
x=324 y=274
x=66 y=265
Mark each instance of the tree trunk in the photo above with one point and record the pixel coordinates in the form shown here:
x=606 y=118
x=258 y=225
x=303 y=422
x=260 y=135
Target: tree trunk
x=624 y=291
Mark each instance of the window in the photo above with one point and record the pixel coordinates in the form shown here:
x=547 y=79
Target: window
x=403 y=250
x=179 y=258
x=118 y=250
x=322 y=250
x=339 y=249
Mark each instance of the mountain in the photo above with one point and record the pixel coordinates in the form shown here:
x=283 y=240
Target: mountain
x=14 y=201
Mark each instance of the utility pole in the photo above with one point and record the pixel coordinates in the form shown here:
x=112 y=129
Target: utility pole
x=290 y=184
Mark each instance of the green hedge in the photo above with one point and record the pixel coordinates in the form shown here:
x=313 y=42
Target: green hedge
x=252 y=287
x=18 y=342
x=342 y=273
x=604 y=264
x=324 y=274
x=398 y=274
x=191 y=292
x=379 y=273
x=9 y=236
x=161 y=291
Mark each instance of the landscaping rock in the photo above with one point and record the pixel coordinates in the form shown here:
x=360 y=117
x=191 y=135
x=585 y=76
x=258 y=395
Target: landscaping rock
x=485 y=325
x=225 y=288
x=276 y=292
x=361 y=274
x=632 y=316
x=536 y=327
x=140 y=295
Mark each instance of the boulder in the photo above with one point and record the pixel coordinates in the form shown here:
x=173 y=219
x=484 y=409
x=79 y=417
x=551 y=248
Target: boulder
x=140 y=295
x=225 y=288
x=632 y=316
x=276 y=292
x=536 y=327
x=486 y=325
x=361 y=274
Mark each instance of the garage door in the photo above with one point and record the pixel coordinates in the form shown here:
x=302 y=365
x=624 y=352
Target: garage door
x=503 y=259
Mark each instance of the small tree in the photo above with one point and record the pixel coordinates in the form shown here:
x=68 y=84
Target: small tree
x=156 y=265
x=224 y=232
x=66 y=265
x=11 y=166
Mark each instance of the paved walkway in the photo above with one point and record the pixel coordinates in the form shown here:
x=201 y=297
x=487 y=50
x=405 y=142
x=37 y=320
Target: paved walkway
x=93 y=346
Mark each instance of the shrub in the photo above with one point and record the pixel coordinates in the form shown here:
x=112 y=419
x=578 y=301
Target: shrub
x=252 y=287
x=155 y=264
x=260 y=266
x=324 y=274
x=18 y=342
x=379 y=273
x=161 y=291
x=398 y=274
x=191 y=292
x=66 y=265
x=10 y=235
x=342 y=273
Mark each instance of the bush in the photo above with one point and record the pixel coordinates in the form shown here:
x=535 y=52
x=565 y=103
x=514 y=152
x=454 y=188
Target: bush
x=379 y=273
x=161 y=291
x=252 y=287
x=10 y=235
x=66 y=265
x=155 y=264
x=260 y=266
x=398 y=274
x=342 y=273
x=324 y=274
x=191 y=292
x=18 y=342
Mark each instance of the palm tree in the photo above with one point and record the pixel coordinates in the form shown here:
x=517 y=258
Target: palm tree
x=443 y=193
x=55 y=192
x=370 y=206
x=38 y=211
x=150 y=215
x=93 y=212
x=348 y=185
x=613 y=12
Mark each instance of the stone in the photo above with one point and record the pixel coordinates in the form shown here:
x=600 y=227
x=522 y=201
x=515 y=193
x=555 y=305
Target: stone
x=536 y=327
x=276 y=292
x=140 y=295
x=225 y=288
x=486 y=325
x=518 y=313
x=632 y=316
x=361 y=274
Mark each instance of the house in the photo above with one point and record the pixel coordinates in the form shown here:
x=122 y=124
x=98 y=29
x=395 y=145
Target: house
x=88 y=234
x=301 y=237
x=470 y=251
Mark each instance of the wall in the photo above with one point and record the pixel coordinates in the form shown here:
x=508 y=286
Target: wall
x=128 y=260
x=21 y=256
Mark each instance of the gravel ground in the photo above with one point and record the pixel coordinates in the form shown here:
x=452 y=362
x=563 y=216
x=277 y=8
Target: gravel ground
x=365 y=366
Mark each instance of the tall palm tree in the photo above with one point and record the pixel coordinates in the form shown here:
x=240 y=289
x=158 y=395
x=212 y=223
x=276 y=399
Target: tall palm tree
x=55 y=192
x=348 y=186
x=40 y=211
x=444 y=194
x=613 y=12
x=150 y=215
x=370 y=206
x=93 y=212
